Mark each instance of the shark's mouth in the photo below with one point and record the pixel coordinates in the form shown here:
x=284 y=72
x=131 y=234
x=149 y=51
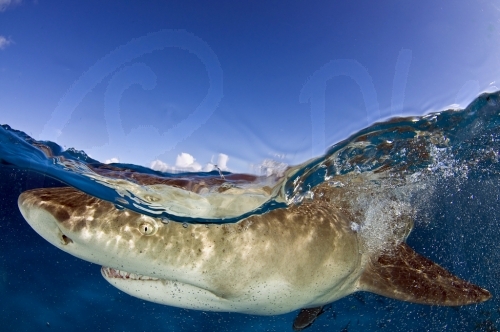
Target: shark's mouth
x=111 y=273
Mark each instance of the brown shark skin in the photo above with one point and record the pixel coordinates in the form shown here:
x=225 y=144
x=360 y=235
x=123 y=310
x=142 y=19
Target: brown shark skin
x=403 y=274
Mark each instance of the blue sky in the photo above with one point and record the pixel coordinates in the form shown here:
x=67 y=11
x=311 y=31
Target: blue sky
x=182 y=82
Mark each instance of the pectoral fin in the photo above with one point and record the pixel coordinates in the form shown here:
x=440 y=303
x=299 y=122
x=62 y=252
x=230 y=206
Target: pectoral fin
x=306 y=317
x=404 y=275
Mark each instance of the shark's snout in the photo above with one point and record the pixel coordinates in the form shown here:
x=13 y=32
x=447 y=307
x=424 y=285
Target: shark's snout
x=33 y=210
x=86 y=227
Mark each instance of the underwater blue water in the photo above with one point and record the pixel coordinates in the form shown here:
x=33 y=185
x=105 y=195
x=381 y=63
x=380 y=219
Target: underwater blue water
x=42 y=287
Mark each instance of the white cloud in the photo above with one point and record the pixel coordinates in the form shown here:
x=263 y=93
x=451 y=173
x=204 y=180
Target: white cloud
x=184 y=163
x=221 y=163
x=187 y=163
x=4 y=4
x=208 y=167
x=160 y=166
x=112 y=160
x=4 y=42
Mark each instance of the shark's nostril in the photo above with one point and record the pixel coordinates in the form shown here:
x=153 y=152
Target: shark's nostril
x=66 y=240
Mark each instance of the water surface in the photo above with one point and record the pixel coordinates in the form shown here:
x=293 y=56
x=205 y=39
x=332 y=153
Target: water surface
x=442 y=170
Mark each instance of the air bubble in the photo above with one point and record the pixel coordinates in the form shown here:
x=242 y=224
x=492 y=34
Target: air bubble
x=309 y=195
x=336 y=184
x=185 y=224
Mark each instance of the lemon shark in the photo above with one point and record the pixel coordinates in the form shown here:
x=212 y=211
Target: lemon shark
x=302 y=256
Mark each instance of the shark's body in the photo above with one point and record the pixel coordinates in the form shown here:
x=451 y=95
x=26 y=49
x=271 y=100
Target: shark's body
x=303 y=256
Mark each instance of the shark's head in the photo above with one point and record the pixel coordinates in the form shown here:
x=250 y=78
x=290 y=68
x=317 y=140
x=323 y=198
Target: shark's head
x=128 y=245
x=92 y=229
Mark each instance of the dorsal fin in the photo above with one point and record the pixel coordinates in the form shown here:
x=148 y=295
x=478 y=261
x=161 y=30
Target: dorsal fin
x=405 y=275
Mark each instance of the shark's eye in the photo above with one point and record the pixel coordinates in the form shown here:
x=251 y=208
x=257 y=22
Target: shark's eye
x=147 y=228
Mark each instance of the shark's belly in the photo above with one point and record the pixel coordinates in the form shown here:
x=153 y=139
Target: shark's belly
x=261 y=296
